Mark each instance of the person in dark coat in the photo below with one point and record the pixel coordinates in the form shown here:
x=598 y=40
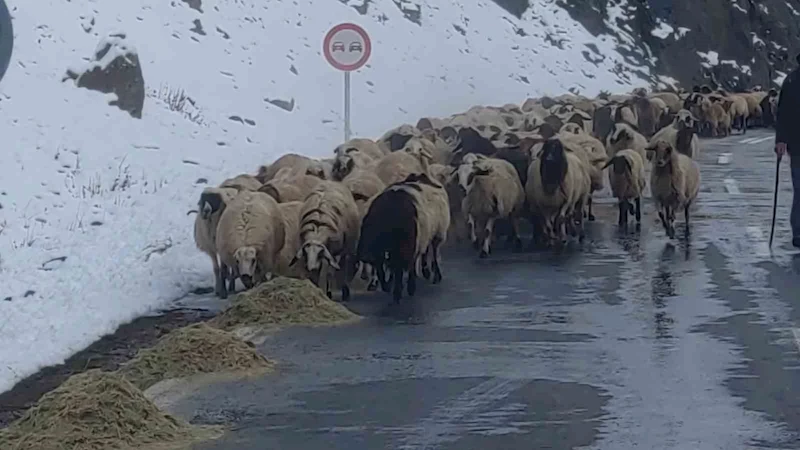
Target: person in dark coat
x=787 y=140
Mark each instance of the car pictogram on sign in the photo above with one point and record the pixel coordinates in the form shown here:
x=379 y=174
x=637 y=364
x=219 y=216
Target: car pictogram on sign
x=338 y=45
x=356 y=47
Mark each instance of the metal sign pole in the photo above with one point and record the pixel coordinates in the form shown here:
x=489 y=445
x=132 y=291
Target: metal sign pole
x=346 y=106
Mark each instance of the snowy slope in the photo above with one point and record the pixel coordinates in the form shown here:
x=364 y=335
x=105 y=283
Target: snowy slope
x=94 y=230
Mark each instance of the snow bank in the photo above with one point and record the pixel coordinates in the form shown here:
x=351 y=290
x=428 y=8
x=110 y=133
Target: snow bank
x=94 y=230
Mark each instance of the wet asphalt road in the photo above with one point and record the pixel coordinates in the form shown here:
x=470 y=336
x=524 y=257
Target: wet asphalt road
x=626 y=343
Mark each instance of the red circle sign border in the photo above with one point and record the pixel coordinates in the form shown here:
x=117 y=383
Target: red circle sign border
x=327 y=51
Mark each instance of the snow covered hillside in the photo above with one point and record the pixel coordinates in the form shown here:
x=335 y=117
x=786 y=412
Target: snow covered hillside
x=93 y=201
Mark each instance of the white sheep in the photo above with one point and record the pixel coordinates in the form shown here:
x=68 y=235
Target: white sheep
x=396 y=166
x=297 y=165
x=627 y=180
x=290 y=188
x=624 y=136
x=593 y=153
x=365 y=186
x=242 y=182
x=358 y=152
x=329 y=227
x=210 y=207
x=558 y=188
x=250 y=236
x=674 y=183
x=494 y=191
x=290 y=213
x=680 y=135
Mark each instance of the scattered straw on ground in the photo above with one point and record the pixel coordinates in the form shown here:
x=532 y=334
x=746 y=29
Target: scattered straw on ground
x=99 y=410
x=192 y=350
x=282 y=301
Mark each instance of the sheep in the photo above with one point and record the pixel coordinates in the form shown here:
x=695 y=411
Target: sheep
x=329 y=227
x=674 y=182
x=494 y=191
x=627 y=180
x=649 y=112
x=365 y=186
x=738 y=112
x=396 y=166
x=290 y=213
x=361 y=145
x=558 y=188
x=394 y=139
x=290 y=189
x=670 y=99
x=354 y=153
x=408 y=221
x=593 y=154
x=242 y=182
x=298 y=165
x=680 y=135
x=719 y=121
x=250 y=236
x=624 y=136
x=210 y=207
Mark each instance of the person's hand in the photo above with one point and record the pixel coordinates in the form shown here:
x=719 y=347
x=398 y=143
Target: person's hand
x=780 y=149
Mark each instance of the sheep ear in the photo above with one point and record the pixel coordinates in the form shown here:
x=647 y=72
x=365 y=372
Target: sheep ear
x=608 y=163
x=296 y=257
x=327 y=254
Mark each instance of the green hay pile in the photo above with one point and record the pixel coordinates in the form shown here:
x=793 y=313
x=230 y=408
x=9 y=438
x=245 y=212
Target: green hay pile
x=98 y=410
x=195 y=349
x=282 y=301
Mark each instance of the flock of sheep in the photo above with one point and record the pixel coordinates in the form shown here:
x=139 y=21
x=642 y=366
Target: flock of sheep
x=384 y=207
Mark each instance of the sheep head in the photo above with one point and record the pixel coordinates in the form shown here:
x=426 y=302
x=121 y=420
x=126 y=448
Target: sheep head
x=209 y=203
x=553 y=168
x=343 y=165
x=397 y=141
x=662 y=153
x=313 y=254
x=247 y=263
x=479 y=168
x=316 y=169
x=621 y=164
x=685 y=120
x=571 y=128
x=620 y=134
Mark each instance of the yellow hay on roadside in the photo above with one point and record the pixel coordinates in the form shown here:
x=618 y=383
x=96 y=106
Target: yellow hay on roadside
x=98 y=410
x=283 y=301
x=192 y=350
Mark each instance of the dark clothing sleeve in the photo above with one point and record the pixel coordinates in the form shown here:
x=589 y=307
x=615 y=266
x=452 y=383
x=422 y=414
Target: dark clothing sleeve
x=788 y=113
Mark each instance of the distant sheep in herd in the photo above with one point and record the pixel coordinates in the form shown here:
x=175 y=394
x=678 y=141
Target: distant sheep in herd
x=385 y=207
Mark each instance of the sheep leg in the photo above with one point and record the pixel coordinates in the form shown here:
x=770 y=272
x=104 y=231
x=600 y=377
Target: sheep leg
x=638 y=210
x=591 y=215
x=472 y=235
x=686 y=216
x=373 y=278
x=364 y=270
x=579 y=224
x=219 y=284
x=426 y=270
x=411 y=286
x=341 y=278
x=222 y=292
x=234 y=274
x=487 y=238
x=397 y=294
x=437 y=259
x=623 y=213
x=515 y=234
x=380 y=268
